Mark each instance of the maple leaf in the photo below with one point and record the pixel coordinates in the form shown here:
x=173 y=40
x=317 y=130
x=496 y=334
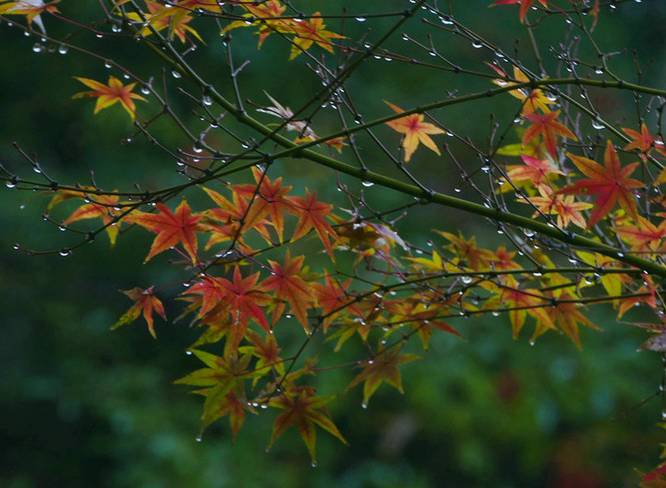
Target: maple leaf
x=524 y=6
x=232 y=405
x=567 y=317
x=244 y=298
x=564 y=206
x=171 y=229
x=643 y=237
x=261 y=14
x=422 y=317
x=266 y=351
x=145 y=303
x=612 y=282
x=160 y=17
x=222 y=379
x=332 y=298
x=535 y=171
x=272 y=199
x=435 y=263
x=110 y=94
x=521 y=303
x=288 y=285
x=643 y=142
x=312 y=215
x=32 y=9
x=414 y=130
x=547 y=126
x=649 y=298
x=236 y=215
x=309 y=31
x=103 y=207
x=468 y=251
x=382 y=368
x=609 y=183
x=212 y=291
x=504 y=260
x=305 y=411
x=532 y=100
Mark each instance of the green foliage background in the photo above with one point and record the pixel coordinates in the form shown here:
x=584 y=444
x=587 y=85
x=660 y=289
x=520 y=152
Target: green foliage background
x=83 y=406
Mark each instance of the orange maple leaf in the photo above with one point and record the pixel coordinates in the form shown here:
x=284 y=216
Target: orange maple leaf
x=171 y=229
x=312 y=215
x=288 y=285
x=160 y=17
x=547 y=126
x=534 y=170
x=415 y=131
x=272 y=199
x=103 y=208
x=110 y=94
x=644 y=236
x=532 y=100
x=643 y=142
x=564 y=206
x=309 y=31
x=610 y=183
x=146 y=303
x=244 y=298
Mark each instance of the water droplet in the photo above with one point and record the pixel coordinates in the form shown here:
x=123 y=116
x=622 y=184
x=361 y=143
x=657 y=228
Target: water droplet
x=532 y=342
x=466 y=279
x=145 y=90
x=598 y=124
x=367 y=184
x=364 y=405
x=361 y=19
x=108 y=65
x=62 y=49
x=314 y=464
x=477 y=44
x=12 y=182
x=207 y=101
x=37 y=47
x=176 y=74
x=198 y=438
x=64 y=252
x=116 y=28
x=446 y=20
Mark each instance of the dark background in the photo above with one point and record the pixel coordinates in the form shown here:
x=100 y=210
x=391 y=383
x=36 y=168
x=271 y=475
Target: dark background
x=83 y=406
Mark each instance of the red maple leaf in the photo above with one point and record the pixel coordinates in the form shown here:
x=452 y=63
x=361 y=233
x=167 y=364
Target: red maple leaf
x=312 y=215
x=271 y=200
x=609 y=183
x=549 y=127
x=288 y=286
x=145 y=303
x=171 y=229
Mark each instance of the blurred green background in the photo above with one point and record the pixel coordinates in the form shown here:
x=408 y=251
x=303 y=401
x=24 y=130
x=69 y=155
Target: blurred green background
x=83 y=406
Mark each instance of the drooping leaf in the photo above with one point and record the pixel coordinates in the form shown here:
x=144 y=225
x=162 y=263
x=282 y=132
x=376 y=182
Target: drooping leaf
x=146 y=304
